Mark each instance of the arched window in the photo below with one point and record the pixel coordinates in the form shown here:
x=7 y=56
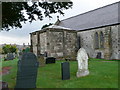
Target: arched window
x=101 y=40
x=96 y=41
x=78 y=42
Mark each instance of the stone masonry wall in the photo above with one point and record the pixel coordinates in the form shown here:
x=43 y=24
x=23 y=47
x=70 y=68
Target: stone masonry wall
x=119 y=41
x=110 y=50
x=55 y=43
x=61 y=43
x=34 y=43
x=70 y=43
x=114 y=43
x=43 y=42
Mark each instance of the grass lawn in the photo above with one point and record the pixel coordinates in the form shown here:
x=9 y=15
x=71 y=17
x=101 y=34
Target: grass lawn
x=102 y=75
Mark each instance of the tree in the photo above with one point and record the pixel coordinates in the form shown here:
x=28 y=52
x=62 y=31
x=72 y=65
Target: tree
x=1 y=50
x=13 y=49
x=14 y=13
x=9 y=49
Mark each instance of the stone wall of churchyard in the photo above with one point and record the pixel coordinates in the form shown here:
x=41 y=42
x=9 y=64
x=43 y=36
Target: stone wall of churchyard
x=101 y=40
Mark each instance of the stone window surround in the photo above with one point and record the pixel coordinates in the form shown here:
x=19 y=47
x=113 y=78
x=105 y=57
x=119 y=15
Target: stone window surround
x=100 y=40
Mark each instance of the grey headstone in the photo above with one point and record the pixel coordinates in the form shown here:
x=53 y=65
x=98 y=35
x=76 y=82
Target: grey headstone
x=27 y=71
x=10 y=56
x=50 y=60
x=65 y=68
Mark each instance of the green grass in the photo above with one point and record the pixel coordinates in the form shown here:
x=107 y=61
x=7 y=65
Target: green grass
x=102 y=75
x=11 y=77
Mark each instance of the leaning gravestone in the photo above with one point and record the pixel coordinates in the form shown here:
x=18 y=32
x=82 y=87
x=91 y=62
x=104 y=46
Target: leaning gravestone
x=41 y=60
x=82 y=59
x=27 y=71
x=65 y=68
x=10 y=56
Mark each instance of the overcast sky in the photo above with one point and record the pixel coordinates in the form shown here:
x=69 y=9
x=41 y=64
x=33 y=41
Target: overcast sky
x=20 y=36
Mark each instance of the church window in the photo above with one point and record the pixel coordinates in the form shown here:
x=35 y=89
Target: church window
x=96 y=41
x=101 y=40
x=79 y=42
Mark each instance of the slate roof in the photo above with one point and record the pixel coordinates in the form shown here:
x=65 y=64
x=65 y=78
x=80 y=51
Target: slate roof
x=107 y=15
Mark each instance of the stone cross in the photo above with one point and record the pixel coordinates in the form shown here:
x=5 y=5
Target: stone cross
x=82 y=59
x=27 y=71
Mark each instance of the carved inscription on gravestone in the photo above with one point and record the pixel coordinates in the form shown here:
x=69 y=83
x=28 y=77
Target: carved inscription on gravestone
x=27 y=71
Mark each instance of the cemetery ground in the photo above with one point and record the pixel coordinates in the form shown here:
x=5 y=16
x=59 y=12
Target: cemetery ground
x=103 y=74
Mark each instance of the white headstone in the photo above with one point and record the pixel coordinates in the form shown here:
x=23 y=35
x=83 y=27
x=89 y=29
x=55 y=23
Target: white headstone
x=82 y=59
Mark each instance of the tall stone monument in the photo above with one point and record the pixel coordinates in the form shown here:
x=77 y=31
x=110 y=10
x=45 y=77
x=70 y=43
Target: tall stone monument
x=82 y=59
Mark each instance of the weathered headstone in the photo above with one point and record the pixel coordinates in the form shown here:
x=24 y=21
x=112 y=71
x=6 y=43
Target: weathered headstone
x=41 y=60
x=27 y=71
x=50 y=60
x=10 y=56
x=65 y=68
x=82 y=59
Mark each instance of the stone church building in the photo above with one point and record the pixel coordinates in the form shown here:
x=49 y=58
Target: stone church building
x=97 y=31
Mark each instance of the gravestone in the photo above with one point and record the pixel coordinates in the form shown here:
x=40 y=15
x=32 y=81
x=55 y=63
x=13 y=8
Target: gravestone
x=98 y=55
x=65 y=68
x=27 y=71
x=41 y=60
x=10 y=56
x=50 y=60
x=82 y=59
